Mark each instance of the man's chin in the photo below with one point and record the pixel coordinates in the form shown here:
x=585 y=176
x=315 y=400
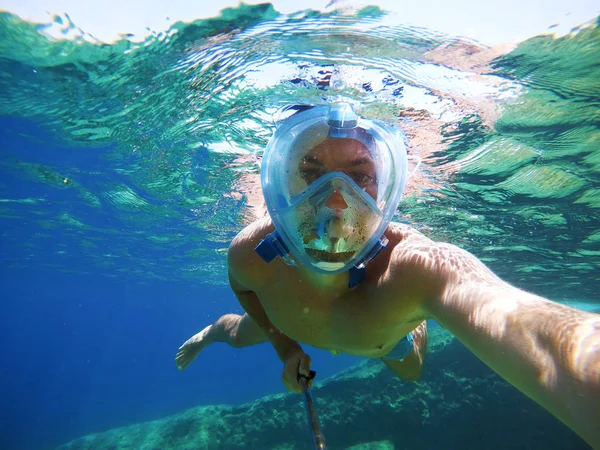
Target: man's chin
x=322 y=255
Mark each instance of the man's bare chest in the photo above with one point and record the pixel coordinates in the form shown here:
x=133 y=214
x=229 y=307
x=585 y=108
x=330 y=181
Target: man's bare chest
x=364 y=321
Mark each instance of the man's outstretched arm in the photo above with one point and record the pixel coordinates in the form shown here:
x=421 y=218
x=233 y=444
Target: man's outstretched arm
x=548 y=351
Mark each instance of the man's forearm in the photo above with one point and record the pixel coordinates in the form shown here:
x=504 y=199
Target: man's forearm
x=548 y=351
x=282 y=344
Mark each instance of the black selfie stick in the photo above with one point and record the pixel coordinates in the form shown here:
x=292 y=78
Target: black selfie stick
x=313 y=420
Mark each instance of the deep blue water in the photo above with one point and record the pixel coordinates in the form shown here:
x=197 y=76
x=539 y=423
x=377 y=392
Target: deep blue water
x=84 y=354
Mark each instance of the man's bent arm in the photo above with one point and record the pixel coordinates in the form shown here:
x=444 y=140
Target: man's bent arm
x=548 y=351
x=282 y=344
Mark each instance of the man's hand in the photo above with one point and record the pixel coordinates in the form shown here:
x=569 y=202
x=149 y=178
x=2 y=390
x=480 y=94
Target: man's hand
x=294 y=363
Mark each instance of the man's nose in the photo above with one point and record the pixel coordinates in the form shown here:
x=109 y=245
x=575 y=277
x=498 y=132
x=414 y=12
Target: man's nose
x=336 y=201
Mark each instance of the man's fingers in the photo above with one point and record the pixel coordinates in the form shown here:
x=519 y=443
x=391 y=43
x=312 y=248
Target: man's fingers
x=300 y=364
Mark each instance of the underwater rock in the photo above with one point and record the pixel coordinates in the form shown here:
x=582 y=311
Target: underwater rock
x=458 y=403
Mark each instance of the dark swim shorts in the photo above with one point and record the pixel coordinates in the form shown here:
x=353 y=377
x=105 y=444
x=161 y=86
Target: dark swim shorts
x=402 y=349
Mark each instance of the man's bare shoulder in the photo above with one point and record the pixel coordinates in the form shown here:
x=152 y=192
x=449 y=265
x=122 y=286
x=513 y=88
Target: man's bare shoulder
x=401 y=232
x=440 y=260
x=243 y=262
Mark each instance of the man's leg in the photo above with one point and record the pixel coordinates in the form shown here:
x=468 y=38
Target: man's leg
x=233 y=329
x=409 y=368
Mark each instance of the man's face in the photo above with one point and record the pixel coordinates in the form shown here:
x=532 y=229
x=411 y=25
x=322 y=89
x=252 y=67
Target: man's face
x=348 y=156
x=339 y=223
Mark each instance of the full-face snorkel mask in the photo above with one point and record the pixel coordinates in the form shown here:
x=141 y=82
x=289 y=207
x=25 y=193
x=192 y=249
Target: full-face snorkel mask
x=330 y=211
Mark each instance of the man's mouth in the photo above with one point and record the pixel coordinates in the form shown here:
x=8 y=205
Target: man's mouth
x=325 y=256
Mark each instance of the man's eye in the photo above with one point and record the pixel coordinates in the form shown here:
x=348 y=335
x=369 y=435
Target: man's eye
x=362 y=179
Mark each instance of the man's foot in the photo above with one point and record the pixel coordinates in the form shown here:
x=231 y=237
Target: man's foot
x=191 y=348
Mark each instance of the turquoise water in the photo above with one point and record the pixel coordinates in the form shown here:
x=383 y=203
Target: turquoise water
x=137 y=163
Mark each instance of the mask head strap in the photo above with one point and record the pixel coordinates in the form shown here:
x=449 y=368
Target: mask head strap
x=273 y=246
x=358 y=272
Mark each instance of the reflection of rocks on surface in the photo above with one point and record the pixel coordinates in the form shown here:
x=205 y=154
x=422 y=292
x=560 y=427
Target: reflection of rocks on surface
x=459 y=403
x=425 y=142
x=248 y=186
x=474 y=60
x=468 y=57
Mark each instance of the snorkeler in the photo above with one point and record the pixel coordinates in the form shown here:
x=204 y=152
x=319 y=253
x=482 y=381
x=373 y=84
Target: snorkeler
x=328 y=268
